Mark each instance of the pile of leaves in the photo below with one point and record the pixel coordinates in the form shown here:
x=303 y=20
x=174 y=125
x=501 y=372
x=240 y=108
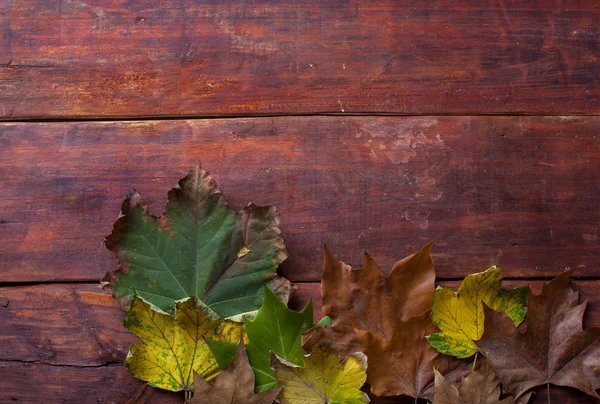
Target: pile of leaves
x=201 y=291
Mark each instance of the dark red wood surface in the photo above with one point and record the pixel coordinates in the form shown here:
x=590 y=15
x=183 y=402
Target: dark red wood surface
x=520 y=192
x=106 y=58
x=515 y=190
x=65 y=343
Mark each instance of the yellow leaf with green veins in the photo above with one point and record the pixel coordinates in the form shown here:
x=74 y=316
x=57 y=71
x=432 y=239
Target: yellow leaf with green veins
x=323 y=379
x=460 y=317
x=173 y=347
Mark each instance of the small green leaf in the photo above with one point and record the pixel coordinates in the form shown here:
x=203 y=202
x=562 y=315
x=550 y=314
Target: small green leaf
x=275 y=329
x=324 y=321
x=223 y=351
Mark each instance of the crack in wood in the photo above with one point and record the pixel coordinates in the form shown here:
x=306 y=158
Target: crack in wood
x=37 y=362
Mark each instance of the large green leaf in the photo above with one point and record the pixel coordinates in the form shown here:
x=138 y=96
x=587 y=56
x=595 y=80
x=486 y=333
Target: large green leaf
x=275 y=329
x=200 y=247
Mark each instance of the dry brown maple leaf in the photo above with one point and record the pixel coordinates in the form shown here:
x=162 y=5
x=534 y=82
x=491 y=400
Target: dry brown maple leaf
x=405 y=363
x=481 y=386
x=554 y=348
x=366 y=300
x=234 y=385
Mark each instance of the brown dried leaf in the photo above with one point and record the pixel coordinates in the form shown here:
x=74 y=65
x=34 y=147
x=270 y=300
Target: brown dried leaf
x=554 y=348
x=405 y=363
x=366 y=300
x=235 y=384
x=481 y=386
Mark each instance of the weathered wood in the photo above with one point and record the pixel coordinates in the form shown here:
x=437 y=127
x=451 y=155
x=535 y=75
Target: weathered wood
x=120 y=58
x=35 y=383
x=65 y=343
x=44 y=323
x=74 y=325
x=521 y=192
x=39 y=383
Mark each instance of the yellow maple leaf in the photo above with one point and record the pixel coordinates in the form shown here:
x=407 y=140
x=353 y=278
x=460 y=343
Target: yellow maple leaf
x=174 y=347
x=460 y=317
x=323 y=379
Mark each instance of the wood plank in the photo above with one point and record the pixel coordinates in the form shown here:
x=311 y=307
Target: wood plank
x=521 y=192
x=43 y=323
x=65 y=343
x=39 y=383
x=72 y=325
x=120 y=58
x=35 y=383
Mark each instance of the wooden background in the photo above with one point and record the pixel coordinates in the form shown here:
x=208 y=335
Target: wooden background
x=371 y=125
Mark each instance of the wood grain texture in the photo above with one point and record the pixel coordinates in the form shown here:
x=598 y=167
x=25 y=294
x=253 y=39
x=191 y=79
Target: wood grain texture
x=65 y=344
x=111 y=384
x=117 y=58
x=520 y=192
x=36 y=383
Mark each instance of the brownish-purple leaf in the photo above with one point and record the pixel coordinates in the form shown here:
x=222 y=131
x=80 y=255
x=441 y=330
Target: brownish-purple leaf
x=365 y=299
x=481 y=386
x=234 y=385
x=405 y=363
x=553 y=349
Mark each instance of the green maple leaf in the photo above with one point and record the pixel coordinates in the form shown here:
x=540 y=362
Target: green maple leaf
x=275 y=329
x=200 y=247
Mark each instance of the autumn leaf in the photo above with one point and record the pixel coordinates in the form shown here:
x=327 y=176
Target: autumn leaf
x=234 y=385
x=198 y=247
x=553 y=349
x=481 y=386
x=366 y=300
x=404 y=364
x=275 y=329
x=460 y=317
x=513 y=302
x=323 y=379
x=173 y=347
x=223 y=351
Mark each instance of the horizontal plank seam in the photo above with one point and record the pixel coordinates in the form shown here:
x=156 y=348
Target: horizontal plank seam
x=37 y=362
x=337 y=115
x=93 y=282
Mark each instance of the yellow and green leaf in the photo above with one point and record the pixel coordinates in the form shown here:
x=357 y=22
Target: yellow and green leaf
x=460 y=316
x=174 y=347
x=512 y=301
x=323 y=379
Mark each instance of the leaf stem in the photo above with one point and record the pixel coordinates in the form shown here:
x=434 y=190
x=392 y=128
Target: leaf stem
x=475 y=360
x=548 y=390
